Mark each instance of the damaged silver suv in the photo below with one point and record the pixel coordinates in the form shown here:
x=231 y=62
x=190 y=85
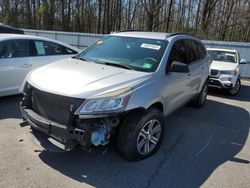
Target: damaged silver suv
x=120 y=87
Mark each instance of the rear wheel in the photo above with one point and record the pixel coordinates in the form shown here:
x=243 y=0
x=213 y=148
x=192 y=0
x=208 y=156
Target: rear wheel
x=236 y=88
x=141 y=134
x=200 y=100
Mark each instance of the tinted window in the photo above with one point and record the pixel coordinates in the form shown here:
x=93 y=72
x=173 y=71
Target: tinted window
x=14 y=48
x=4 y=51
x=49 y=48
x=201 y=49
x=68 y=51
x=191 y=51
x=177 y=53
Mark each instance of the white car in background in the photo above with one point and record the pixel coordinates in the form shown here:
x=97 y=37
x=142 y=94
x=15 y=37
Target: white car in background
x=224 y=69
x=19 y=54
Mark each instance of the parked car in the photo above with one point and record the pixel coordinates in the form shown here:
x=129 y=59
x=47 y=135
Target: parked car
x=9 y=29
x=20 y=54
x=224 y=70
x=125 y=83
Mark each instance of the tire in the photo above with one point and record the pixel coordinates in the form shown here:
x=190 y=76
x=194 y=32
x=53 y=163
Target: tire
x=200 y=100
x=136 y=141
x=235 y=90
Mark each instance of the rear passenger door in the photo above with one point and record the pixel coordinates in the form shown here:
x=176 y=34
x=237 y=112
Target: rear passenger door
x=194 y=64
x=45 y=52
x=204 y=60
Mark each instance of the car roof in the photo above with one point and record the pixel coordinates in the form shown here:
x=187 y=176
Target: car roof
x=149 y=35
x=4 y=37
x=221 y=49
x=10 y=29
x=141 y=34
x=19 y=36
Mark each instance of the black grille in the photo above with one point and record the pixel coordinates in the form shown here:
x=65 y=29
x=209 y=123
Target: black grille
x=53 y=107
x=214 y=72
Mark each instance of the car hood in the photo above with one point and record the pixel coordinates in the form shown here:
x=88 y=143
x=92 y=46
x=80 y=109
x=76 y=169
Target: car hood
x=81 y=79
x=219 y=65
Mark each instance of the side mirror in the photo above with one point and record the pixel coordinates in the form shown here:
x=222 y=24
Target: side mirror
x=243 y=61
x=179 y=67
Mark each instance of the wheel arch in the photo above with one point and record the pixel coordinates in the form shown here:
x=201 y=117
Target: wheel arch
x=203 y=82
x=157 y=105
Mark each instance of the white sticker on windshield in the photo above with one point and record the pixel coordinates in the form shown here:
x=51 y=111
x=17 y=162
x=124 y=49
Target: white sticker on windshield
x=150 y=46
x=230 y=54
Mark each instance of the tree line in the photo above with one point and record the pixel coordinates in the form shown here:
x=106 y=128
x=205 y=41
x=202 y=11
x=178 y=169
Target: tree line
x=208 y=19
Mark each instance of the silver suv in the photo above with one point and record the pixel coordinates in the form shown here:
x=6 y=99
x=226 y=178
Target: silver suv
x=121 y=87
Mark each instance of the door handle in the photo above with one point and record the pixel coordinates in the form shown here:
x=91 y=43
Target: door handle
x=189 y=74
x=26 y=65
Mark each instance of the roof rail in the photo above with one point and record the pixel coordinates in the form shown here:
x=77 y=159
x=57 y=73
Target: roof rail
x=178 y=33
x=126 y=30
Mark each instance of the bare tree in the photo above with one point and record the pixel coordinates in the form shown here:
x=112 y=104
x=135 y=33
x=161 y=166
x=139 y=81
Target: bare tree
x=210 y=19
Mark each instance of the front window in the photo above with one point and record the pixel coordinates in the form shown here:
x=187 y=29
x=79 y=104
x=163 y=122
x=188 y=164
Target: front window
x=126 y=52
x=14 y=49
x=223 y=56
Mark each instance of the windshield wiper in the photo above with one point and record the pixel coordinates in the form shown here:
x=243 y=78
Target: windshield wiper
x=115 y=65
x=81 y=58
x=105 y=63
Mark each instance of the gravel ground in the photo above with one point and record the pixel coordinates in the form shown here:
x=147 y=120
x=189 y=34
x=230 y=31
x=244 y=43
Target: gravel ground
x=208 y=147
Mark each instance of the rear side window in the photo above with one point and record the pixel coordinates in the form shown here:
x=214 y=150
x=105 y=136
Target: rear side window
x=40 y=48
x=186 y=51
x=201 y=49
x=44 y=48
x=192 y=54
x=14 y=49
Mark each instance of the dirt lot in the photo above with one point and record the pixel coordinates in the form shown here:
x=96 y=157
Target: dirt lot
x=208 y=147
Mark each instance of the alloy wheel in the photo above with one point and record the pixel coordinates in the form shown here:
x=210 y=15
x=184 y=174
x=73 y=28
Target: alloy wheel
x=148 y=137
x=235 y=88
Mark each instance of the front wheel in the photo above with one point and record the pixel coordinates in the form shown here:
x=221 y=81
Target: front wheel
x=141 y=134
x=236 y=88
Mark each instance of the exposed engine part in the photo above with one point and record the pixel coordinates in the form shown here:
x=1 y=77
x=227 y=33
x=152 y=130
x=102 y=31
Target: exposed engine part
x=113 y=122
x=101 y=135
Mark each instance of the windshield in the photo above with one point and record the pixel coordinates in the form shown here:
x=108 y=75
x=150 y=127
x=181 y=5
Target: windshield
x=223 y=56
x=126 y=52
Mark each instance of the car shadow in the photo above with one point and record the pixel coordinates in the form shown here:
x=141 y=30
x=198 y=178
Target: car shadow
x=9 y=107
x=197 y=142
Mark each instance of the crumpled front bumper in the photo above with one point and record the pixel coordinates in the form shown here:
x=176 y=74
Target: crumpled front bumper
x=68 y=135
x=55 y=116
